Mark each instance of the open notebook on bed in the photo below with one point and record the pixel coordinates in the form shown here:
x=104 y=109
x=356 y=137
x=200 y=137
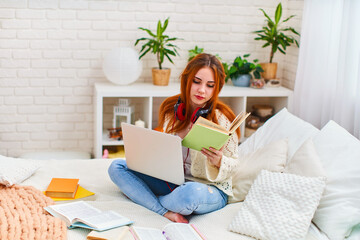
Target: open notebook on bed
x=153 y=153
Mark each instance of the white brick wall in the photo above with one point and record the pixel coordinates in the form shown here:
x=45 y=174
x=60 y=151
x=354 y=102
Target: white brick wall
x=51 y=53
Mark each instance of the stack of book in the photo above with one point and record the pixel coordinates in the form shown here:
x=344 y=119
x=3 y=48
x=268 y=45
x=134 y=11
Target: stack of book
x=62 y=189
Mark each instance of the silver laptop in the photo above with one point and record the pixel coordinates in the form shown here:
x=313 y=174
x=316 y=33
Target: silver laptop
x=153 y=153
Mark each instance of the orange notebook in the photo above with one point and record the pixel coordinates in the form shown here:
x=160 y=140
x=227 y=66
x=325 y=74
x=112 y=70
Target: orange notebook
x=62 y=188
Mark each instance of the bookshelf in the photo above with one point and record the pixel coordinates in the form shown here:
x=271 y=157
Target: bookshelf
x=146 y=99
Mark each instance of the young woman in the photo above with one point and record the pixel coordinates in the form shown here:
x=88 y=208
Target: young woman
x=201 y=82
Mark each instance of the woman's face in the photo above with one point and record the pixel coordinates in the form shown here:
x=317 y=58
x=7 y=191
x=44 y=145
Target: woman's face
x=202 y=87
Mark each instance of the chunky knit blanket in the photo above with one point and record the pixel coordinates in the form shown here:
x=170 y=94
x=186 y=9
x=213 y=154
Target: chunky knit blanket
x=22 y=215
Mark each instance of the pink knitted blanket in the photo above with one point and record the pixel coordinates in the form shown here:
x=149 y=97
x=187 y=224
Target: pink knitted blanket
x=22 y=215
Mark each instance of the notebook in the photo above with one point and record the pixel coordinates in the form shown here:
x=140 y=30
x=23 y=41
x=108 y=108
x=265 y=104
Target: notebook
x=153 y=153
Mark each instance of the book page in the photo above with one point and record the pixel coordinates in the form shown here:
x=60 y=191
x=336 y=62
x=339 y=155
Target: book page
x=75 y=210
x=181 y=231
x=237 y=121
x=149 y=233
x=204 y=122
x=104 y=220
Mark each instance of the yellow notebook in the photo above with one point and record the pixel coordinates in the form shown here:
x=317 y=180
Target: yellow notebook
x=81 y=193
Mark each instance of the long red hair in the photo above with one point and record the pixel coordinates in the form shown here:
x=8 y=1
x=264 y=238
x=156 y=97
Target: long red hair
x=166 y=112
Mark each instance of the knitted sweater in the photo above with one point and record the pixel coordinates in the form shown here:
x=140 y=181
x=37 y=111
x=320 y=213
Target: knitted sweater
x=219 y=177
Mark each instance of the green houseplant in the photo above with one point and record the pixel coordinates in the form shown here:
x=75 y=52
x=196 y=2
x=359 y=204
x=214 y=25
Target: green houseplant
x=240 y=71
x=197 y=50
x=162 y=46
x=194 y=52
x=275 y=36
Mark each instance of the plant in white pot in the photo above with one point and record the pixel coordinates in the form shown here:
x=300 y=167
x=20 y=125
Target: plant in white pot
x=274 y=36
x=161 y=45
x=241 y=69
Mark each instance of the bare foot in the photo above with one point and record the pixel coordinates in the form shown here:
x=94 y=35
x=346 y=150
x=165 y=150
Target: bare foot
x=175 y=217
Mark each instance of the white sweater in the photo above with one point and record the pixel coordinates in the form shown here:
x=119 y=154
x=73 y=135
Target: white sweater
x=219 y=177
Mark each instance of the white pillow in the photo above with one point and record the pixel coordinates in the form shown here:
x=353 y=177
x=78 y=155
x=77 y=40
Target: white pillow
x=278 y=206
x=306 y=161
x=15 y=170
x=272 y=157
x=339 y=209
x=281 y=125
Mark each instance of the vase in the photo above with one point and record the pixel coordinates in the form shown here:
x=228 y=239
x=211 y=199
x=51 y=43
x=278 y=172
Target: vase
x=270 y=70
x=161 y=77
x=243 y=80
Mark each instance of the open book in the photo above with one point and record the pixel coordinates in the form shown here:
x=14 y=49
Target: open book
x=171 y=231
x=206 y=134
x=82 y=214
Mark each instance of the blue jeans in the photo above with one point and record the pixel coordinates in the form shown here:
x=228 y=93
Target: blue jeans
x=160 y=196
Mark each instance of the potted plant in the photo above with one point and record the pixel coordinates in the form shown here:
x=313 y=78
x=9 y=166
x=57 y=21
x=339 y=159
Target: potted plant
x=241 y=69
x=194 y=52
x=274 y=36
x=161 y=45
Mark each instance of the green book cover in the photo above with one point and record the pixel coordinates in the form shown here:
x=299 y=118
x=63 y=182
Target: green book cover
x=203 y=137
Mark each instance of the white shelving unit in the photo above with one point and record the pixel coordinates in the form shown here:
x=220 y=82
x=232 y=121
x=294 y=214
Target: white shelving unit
x=147 y=98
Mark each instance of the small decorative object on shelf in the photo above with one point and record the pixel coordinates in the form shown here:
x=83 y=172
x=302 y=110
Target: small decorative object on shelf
x=140 y=123
x=251 y=125
x=264 y=112
x=122 y=66
x=276 y=82
x=122 y=113
x=115 y=133
x=257 y=83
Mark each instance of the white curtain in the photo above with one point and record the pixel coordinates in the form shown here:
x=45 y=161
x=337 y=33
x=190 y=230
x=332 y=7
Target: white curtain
x=327 y=85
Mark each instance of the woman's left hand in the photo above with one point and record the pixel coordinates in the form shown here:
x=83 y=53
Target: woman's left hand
x=214 y=156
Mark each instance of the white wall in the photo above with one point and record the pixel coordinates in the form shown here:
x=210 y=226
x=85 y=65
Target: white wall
x=51 y=54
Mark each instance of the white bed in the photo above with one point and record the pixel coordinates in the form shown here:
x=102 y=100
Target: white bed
x=336 y=210
x=93 y=176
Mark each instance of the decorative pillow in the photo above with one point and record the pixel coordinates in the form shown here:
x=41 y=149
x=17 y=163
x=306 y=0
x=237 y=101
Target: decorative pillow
x=281 y=125
x=306 y=161
x=278 y=206
x=15 y=170
x=272 y=157
x=339 y=209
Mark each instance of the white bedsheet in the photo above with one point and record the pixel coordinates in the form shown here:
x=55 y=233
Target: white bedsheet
x=93 y=176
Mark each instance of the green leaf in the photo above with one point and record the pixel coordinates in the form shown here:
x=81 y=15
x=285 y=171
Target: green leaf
x=169 y=58
x=265 y=45
x=259 y=68
x=148 y=31
x=158 y=29
x=256 y=74
x=144 y=53
x=246 y=55
x=289 y=18
x=281 y=50
x=269 y=19
x=278 y=13
x=295 y=32
x=165 y=25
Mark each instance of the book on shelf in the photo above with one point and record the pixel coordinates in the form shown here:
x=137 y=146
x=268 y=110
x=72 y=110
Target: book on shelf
x=62 y=187
x=205 y=133
x=171 y=231
x=120 y=233
x=82 y=214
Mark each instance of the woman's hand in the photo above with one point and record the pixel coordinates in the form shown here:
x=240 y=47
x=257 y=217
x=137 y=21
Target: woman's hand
x=213 y=156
